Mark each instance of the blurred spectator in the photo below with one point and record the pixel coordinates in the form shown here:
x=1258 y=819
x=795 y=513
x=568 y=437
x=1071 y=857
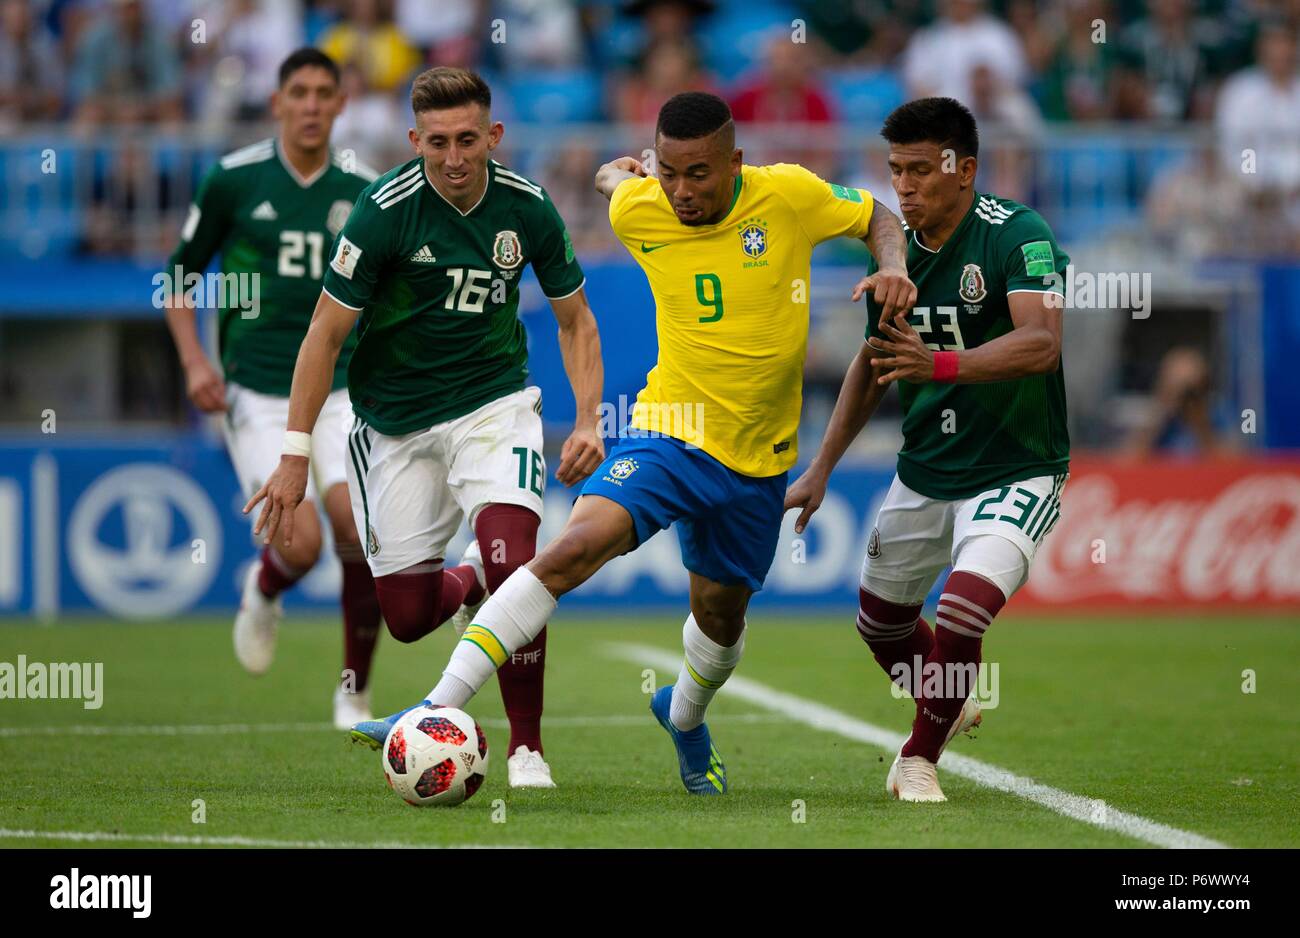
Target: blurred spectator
x=370 y=40
x=1164 y=63
x=540 y=34
x=671 y=66
x=1007 y=114
x=786 y=91
x=940 y=59
x=31 y=79
x=1195 y=209
x=1036 y=25
x=127 y=71
x=371 y=125
x=1182 y=418
x=248 y=39
x=866 y=32
x=568 y=176
x=668 y=20
x=1259 y=110
x=1077 y=81
x=448 y=32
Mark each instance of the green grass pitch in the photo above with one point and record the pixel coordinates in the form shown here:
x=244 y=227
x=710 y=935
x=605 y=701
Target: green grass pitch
x=1148 y=716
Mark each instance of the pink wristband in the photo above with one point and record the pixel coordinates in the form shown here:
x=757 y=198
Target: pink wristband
x=945 y=367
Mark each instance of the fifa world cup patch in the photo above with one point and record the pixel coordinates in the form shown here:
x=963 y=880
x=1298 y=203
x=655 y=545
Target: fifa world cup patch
x=345 y=258
x=845 y=193
x=1039 y=261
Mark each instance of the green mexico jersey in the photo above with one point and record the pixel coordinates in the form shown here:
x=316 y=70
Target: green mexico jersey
x=440 y=334
x=273 y=230
x=963 y=439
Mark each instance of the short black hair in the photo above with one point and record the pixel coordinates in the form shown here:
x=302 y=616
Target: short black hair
x=692 y=115
x=944 y=121
x=302 y=58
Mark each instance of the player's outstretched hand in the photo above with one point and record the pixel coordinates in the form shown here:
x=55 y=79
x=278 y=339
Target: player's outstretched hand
x=204 y=387
x=806 y=493
x=283 y=493
x=629 y=164
x=891 y=289
x=583 y=451
x=901 y=353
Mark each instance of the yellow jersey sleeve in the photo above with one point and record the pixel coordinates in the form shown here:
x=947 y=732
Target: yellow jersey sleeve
x=627 y=194
x=825 y=210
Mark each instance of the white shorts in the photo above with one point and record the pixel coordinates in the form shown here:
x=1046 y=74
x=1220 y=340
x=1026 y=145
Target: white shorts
x=410 y=493
x=916 y=537
x=254 y=430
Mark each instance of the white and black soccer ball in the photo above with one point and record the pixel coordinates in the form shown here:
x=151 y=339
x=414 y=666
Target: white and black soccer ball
x=435 y=756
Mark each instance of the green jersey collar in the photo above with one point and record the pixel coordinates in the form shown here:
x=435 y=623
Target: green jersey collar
x=487 y=184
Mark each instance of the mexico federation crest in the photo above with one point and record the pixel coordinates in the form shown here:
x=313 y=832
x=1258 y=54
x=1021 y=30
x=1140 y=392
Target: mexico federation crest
x=506 y=252
x=873 y=545
x=972 y=284
x=338 y=216
x=372 y=541
x=623 y=468
x=753 y=239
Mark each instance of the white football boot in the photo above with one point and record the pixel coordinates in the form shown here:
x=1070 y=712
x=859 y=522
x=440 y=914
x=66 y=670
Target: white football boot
x=350 y=708
x=527 y=769
x=462 y=617
x=255 y=625
x=916 y=778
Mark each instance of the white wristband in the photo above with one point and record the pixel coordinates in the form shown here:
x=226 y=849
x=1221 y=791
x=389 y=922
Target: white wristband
x=297 y=443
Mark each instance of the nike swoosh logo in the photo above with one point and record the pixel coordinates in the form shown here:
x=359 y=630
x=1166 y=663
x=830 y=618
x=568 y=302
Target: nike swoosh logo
x=646 y=249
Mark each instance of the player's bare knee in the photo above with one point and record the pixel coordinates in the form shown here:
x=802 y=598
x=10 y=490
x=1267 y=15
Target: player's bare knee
x=304 y=550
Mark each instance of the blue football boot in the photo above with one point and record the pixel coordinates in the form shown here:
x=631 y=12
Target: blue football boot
x=702 y=770
x=372 y=733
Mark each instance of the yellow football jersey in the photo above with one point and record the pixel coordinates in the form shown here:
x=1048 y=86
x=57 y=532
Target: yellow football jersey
x=731 y=309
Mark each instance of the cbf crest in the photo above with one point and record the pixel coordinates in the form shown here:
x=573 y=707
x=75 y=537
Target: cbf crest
x=506 y=251
x=972 y=288
x=623 y=468
x=753 y=237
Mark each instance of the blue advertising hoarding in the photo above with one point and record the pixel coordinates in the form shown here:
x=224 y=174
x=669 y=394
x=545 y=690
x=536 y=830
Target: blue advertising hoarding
x=153 y=530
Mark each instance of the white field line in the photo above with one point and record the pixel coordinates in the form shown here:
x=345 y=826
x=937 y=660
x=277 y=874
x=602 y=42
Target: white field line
x=223 y=729
x=1088 y=810
x=180 y=840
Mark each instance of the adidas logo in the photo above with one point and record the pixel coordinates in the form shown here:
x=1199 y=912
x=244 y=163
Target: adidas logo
x=265 y=212
x=424 y=256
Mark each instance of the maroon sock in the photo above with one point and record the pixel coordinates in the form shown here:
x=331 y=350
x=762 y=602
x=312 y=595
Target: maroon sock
x=276 y=575
x=360 y=615
x=469 y=584
x=417 y=600
x=966 y=609
x=507 y=535
x=896 y=635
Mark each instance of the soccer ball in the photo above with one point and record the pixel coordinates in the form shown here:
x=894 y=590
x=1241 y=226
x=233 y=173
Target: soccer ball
x=435 y=756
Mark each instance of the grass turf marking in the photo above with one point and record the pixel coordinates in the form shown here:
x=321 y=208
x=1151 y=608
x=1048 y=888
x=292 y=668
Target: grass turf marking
x=821 y=717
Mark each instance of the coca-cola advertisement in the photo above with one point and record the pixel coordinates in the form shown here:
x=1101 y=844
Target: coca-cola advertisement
x=1173 y=533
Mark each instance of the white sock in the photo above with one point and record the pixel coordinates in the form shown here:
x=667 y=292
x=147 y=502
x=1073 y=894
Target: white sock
x=705 y=668
x=509 y=620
